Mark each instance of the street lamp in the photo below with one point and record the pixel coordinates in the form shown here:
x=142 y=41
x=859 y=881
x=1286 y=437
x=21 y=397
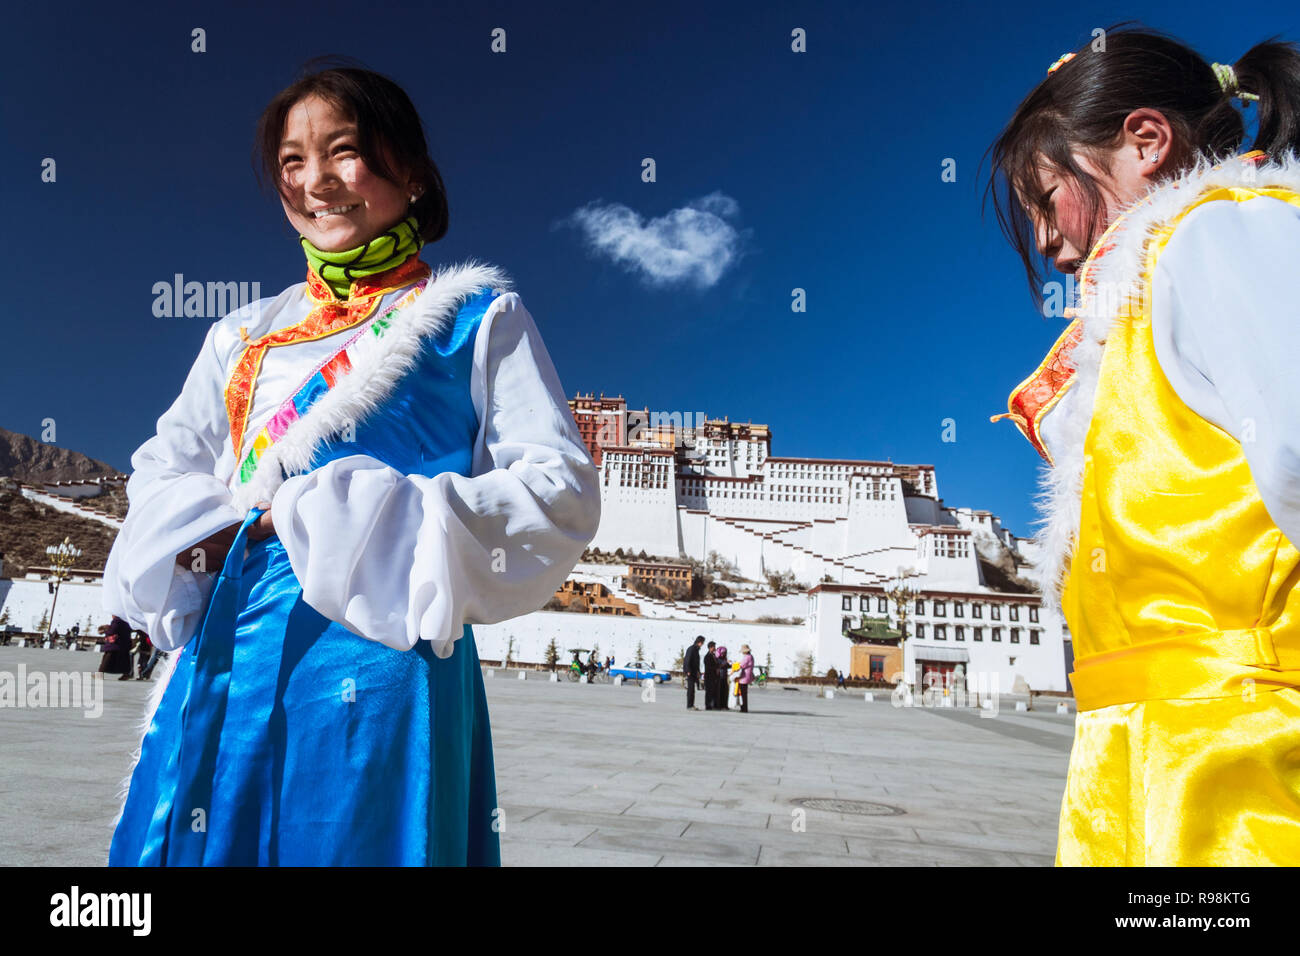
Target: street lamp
x=902 y=593
x=62 y=557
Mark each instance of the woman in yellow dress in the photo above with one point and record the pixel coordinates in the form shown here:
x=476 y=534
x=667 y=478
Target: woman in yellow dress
x=1168 y=412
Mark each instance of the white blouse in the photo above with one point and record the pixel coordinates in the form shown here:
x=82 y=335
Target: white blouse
x=394 y=558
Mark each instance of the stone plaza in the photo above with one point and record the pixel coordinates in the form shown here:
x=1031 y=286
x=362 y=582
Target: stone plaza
x=605 y=775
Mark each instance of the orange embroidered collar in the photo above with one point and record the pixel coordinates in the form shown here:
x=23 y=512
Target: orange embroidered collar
x=1046 y=385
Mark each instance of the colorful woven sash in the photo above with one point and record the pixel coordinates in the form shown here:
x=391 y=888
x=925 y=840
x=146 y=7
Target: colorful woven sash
x=330 y=315
x=318 y=383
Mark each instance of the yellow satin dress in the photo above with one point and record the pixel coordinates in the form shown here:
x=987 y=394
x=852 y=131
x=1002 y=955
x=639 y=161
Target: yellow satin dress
x=1183 y=601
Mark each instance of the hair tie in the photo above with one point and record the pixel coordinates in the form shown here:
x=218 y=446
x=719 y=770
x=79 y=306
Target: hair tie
x=1060 y=62
x=1227 y=77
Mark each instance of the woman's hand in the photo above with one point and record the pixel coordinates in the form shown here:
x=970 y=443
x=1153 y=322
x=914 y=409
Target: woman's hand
x=263 y=527
x=210 y=553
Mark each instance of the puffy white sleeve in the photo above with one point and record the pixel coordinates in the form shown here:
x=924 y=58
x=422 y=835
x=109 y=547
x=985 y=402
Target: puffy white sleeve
x=176 y=500
x=399 y=558
x=1225 y=317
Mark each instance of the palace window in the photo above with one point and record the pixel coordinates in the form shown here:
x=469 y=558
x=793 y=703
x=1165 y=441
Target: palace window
x=920 y=605
x=1033 y=614
x=940 y=608
x=1033 y=636
x=977 y=610
x=979 y=634
x=846 y=603
x=920 y=630
x=960 y=633
x=958 y=609
x=941 y=632
x=995 y=611
x=997 y=634
x=1015 y=635
x=882 y=605
x=1013 y=612
x=864 y=603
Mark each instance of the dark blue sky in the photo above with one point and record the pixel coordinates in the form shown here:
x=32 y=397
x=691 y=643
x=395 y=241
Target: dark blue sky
x=917 y=309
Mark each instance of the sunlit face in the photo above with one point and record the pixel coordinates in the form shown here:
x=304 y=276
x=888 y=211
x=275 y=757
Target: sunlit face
x=1059 y=211
x=329 y=194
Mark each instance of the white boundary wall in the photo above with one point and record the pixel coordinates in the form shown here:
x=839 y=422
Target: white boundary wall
x=662 y=640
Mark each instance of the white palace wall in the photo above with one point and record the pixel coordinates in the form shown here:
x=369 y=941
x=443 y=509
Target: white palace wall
x=638 y=519
x=27 y=600
x=662 y=640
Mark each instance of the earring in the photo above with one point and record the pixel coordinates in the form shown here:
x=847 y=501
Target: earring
x=1155 y=156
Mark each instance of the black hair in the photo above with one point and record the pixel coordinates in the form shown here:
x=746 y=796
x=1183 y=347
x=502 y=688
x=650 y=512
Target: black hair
x=1081 y=106
x=388 y=129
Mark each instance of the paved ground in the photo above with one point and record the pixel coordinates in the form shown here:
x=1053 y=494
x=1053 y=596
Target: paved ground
x=595 y=775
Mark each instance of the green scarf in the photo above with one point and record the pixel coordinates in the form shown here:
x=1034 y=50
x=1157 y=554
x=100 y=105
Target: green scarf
x=386 y=251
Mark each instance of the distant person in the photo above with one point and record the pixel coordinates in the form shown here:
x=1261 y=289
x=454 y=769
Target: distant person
x=724 y=686
x=711 y=678
x=154 y=657
x=143 y=653
x=692 y=675
x=745 y=677
x=117 y=649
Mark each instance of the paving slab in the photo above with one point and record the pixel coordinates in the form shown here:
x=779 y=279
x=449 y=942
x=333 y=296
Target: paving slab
x=593 y=775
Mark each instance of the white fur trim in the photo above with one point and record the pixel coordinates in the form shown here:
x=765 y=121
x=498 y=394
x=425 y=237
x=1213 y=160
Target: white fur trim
x=372 y=378
x=1118 y=276
x=163 y=671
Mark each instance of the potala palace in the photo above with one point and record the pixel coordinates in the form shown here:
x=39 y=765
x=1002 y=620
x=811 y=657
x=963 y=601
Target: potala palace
x=677 y=487
x=839 y=532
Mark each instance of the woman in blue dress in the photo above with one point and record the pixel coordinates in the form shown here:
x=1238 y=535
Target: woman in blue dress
x=355 y=472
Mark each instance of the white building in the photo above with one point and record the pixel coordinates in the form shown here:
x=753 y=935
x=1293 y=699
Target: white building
x=844 y=528
x=997 y=640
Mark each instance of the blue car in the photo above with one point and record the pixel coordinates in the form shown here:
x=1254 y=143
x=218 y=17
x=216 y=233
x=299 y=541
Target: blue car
x=640 y=671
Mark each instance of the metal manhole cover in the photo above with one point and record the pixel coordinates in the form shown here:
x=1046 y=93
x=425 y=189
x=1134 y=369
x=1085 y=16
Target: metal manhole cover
x=860 y=807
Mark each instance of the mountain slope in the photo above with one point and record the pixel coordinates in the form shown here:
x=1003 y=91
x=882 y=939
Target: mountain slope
x=34 y=461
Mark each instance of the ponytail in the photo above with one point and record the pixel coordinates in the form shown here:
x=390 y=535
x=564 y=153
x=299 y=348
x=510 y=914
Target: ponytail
x=1271 y=71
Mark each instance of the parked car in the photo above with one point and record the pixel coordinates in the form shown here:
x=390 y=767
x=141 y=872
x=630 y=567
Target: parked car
x=640 y=671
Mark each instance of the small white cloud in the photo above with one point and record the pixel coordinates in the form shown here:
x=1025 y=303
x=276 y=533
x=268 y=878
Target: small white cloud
x=692 y=245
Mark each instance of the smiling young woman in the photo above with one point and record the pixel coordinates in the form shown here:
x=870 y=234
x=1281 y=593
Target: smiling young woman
x=373 y=460
x=1169 y=414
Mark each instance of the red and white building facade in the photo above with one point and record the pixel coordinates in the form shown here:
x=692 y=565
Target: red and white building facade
x=682 y=484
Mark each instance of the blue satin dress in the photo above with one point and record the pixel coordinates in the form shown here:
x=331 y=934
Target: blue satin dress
x=283 y=739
